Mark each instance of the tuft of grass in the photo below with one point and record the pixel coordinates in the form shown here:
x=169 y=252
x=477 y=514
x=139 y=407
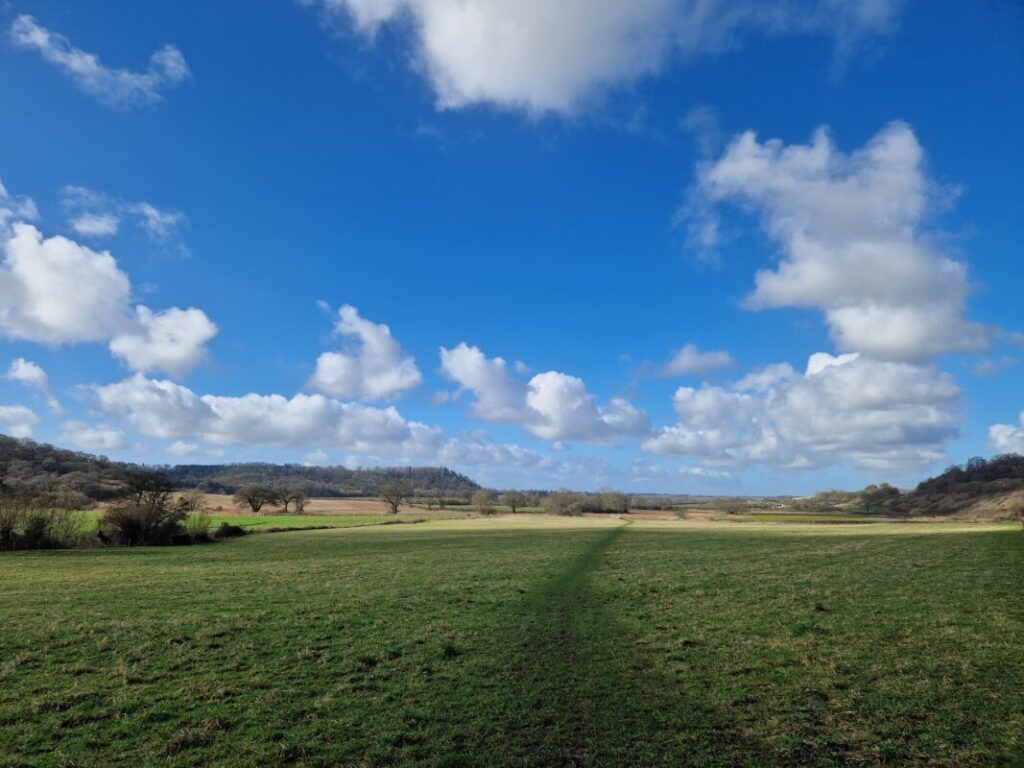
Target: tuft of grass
x=521 y=641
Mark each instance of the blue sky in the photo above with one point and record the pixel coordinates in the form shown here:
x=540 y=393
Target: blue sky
x=605 y=243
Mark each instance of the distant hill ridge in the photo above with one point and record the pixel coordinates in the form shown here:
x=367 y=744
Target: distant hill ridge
x=45 y=468
x=317 y=481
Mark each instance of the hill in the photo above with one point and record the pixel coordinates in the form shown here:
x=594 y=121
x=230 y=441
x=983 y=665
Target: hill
x=981 y=488
x=40 y=469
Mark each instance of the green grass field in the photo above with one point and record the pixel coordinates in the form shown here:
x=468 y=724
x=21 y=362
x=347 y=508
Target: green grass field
x=800 y=517
x=522 y=641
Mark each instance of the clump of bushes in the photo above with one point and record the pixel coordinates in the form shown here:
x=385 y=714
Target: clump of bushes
x=44 y=521
x=483 y=501
x=227 y=531
x=572 y=503
x=565 y=503
x=148 y=514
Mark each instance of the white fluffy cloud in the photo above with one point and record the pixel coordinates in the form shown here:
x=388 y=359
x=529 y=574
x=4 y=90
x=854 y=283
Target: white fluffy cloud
x=31 y=375
x=372 y=365
x=173 y=341
x=1007 y=438
x=877 y=414
x=850 y=231
x=56 y=291
x=156 y=408
x=690 y=361
x=552 y=56
x=92 y=437
x=551 y=405
x=499 y=397
x=565 y=410
x=114 y=87
x=164 y=409
x=17 y=420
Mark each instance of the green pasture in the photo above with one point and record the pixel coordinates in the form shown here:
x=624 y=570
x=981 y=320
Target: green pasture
x=522 y=641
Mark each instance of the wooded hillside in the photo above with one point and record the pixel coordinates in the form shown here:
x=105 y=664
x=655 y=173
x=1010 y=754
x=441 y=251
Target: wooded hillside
x=981 y=487
x=41 y=468
x=318 y=481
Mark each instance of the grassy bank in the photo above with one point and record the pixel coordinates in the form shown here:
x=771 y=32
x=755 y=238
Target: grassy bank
x=255 y=523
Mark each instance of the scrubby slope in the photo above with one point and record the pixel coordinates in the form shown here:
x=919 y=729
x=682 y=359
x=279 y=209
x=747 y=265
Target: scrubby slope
x=981 y=488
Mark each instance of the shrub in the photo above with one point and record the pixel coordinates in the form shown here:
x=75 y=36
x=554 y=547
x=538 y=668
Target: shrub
x=13 y=510
x=66 y=526
x=29 y=522
x=36 y=533
x=134 y=524
x=227 y=531
x=563 y=503
x=145 y=516
x=483 y=501
x=197 y=526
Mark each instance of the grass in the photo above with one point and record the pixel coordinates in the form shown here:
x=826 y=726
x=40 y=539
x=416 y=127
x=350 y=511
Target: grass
x=522 y=641
x=801 y=517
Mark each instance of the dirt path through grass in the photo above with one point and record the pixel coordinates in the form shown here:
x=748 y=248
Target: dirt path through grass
x=548 y=713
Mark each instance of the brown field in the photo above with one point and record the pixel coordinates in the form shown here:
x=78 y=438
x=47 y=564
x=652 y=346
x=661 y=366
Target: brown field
x=998 y=507
x=218 y=502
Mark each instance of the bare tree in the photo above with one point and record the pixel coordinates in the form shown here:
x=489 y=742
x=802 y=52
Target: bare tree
x=613 y=501
x=150 y=488
x=255 y=497
x=562 y=503
x=733 y=506
x=395 y=493
x=514 y=500
x=286 y=496
x=483 y=501
x=193 y=501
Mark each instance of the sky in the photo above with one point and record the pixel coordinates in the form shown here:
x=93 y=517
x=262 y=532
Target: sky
x=690 y=246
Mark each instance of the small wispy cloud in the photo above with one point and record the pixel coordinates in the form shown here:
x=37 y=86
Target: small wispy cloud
x=31 y=375
x=113 y=87
x=690 y=361
x=96 y=214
